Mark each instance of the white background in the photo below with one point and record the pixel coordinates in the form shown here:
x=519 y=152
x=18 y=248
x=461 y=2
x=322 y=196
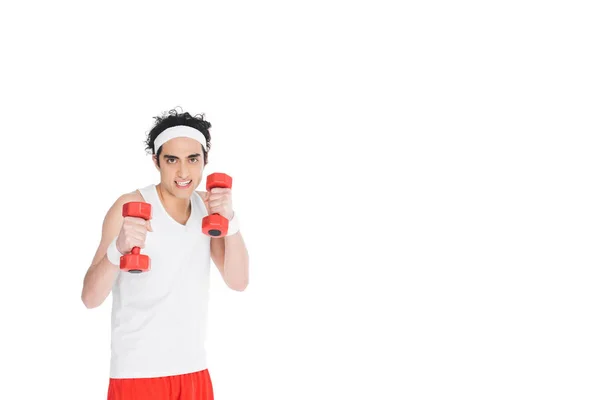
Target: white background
x=417 y=184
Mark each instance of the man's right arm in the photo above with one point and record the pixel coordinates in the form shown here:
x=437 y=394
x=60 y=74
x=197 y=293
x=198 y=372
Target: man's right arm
x=101 y=275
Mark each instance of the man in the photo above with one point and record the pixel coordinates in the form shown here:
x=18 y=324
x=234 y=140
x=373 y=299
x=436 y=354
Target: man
x=158 y=321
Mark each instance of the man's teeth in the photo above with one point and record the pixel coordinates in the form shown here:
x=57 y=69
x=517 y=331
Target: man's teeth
x=183 y=183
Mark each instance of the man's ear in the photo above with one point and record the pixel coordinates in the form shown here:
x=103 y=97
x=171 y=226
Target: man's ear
x=155 y=161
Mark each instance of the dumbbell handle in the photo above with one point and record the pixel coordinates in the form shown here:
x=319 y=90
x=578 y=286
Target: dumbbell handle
x=220 y=187
x=134 y=261
x=218 y=180
x=215 y=224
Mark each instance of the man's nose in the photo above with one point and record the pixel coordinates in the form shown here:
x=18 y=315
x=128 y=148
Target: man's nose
x=183 y=170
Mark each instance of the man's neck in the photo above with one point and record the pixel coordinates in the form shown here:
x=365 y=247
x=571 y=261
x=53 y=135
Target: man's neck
x=173 y=204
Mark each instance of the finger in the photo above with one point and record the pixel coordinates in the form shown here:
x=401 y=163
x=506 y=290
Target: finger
x=140 y=243
x=215 y=196
x=206 y=199
x=139 y=231
x=136 y=243
x=149 y=226
x=135 y=220
x=220 y=190
x=138 y=237
x=217 y=204
x=220 y=210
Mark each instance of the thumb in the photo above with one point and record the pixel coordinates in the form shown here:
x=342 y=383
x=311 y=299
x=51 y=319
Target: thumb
x=149 y=226
x=204 y=196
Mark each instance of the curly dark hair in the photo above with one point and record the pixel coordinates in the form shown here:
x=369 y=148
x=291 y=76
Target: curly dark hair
x=173 y=118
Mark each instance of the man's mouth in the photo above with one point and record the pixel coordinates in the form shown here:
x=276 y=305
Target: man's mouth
x=183 y=184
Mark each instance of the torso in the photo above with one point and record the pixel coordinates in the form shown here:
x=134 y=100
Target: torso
x=179 y=218
x=159 y=317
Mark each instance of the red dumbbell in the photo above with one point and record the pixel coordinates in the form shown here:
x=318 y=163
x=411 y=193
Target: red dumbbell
x=135 y=262
x=216 y=225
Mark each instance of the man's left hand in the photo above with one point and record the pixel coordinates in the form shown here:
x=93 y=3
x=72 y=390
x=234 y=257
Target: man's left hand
x=219 y=202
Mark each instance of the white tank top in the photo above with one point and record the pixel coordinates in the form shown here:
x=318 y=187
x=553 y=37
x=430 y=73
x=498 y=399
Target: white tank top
x=158 y=322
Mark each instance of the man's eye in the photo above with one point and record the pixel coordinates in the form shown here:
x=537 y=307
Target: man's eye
x=194 y=159
x=169 y=160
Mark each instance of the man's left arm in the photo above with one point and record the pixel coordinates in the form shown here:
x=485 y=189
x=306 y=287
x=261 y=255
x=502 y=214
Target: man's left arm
x=229 y=253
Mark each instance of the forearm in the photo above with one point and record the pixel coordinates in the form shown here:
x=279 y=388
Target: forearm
x=98 y=283
x=235 y=262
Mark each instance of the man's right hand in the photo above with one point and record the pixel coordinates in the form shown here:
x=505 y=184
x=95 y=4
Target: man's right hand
x=133 y=234
x=130 y=232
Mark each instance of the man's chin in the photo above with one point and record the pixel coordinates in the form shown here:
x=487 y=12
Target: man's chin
x=183 y=192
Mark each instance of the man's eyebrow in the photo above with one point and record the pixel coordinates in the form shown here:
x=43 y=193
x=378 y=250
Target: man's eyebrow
x=177 y=158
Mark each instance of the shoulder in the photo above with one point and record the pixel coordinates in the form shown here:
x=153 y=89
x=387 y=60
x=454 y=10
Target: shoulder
x=116 y=208
x=114 y=216
x=130 y=196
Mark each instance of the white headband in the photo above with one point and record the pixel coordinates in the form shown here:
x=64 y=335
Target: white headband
x=179 y=131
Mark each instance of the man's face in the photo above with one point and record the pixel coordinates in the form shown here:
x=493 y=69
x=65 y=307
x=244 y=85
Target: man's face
x=181 y=166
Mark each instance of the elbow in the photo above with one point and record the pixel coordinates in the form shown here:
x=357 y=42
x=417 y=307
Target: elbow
x=239 y=285
x=89 y=305
x=89 y=301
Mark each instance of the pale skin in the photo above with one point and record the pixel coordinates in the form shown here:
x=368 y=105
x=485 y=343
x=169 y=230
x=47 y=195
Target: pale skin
x=181 y=159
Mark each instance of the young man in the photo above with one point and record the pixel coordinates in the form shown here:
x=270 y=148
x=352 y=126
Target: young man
x=159 y=316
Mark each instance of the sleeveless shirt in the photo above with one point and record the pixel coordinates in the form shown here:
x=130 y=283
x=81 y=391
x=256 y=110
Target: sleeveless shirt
x=158 y=320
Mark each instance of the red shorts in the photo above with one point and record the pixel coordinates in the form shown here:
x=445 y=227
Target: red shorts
x=192 y=386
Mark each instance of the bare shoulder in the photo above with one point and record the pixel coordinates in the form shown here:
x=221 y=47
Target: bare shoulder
x=114 y=214
x=131 y=196
x=126 y=198
x=113 y=221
